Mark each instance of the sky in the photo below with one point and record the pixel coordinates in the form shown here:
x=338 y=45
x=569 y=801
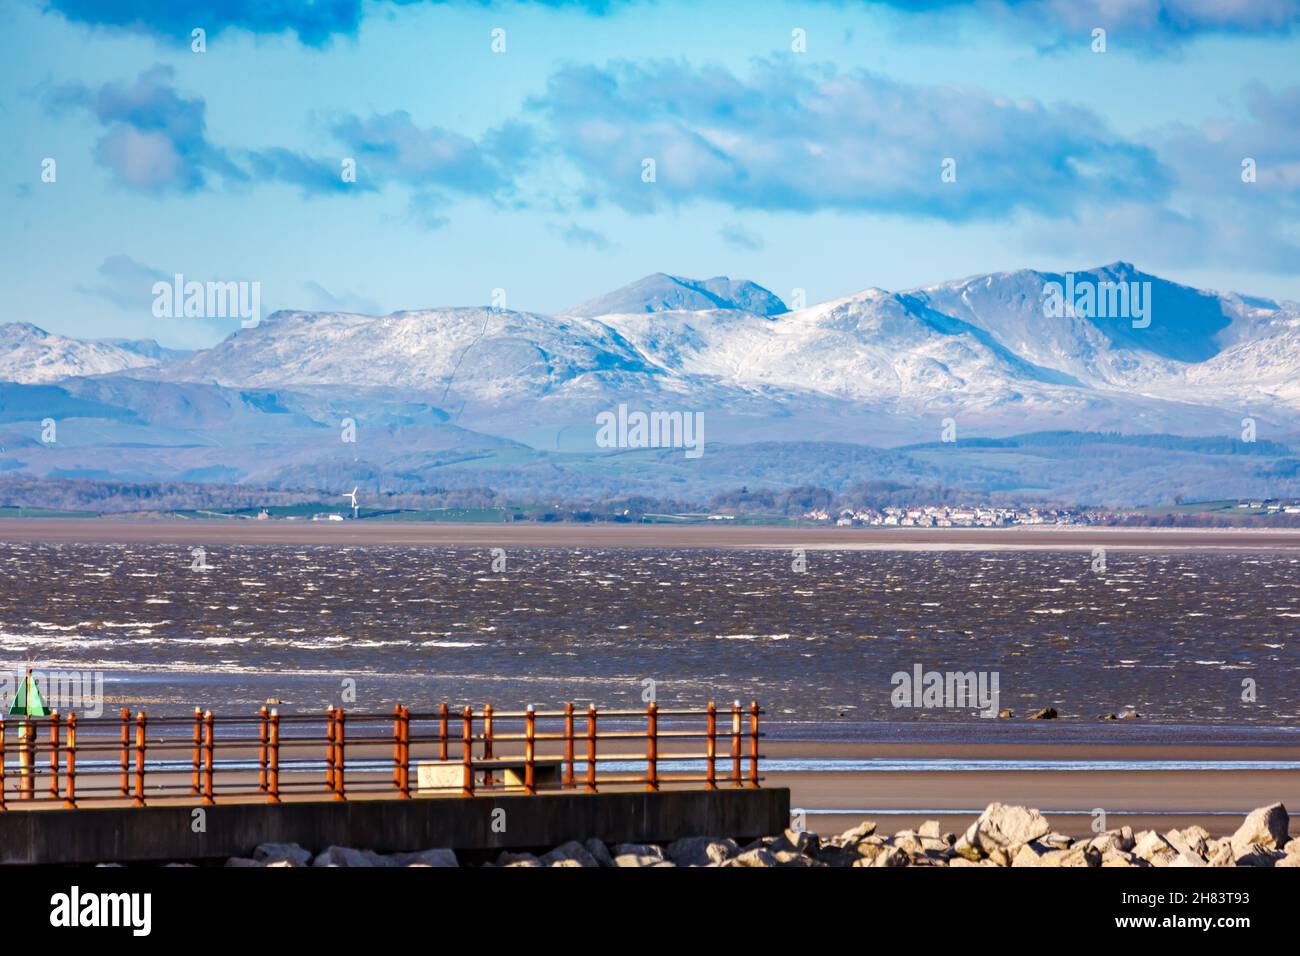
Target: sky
x=506 y=146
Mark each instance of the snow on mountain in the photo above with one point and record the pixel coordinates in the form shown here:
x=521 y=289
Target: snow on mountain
x=489 y=354
x=149 y=349
x=1098 y=349
x=984 y=349
x=665 y=293
x=31 y=355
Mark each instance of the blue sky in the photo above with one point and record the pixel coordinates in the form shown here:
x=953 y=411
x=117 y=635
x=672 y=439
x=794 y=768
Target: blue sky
x=522 y=170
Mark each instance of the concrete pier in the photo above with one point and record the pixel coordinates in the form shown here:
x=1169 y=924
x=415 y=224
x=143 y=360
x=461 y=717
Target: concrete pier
x=162 y=834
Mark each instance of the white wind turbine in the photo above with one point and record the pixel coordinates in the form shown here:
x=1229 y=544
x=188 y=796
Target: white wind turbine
x=352 y=495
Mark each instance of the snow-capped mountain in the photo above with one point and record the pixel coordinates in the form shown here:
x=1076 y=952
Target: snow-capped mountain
x=665 y=293
x=987 y=350
x=488 y=354
x=31 y=355
x=498 y=399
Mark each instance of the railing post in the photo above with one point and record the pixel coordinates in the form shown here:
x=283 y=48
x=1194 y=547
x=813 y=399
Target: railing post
x=591 y=748
x=126 y=752
x=530 y=750
x=263 y=734
x=209 y=732
x=487 y=744
x=406 y=752
x=568 y=745
x=70 y=800
x=26 y=761
x=652 y=746
x=329 y=749
x=397 y=747
x=442 y=731
x=340 y=754
x=467 y=752
x=753 y=743
x=711 y=749
x=273 y=794
x=2 y=763
x=140 y=722
x=735 y=744
x=54 y=754
x=197 y=775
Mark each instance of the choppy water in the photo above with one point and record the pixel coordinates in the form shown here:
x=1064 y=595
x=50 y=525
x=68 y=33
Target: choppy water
x=1173 y=635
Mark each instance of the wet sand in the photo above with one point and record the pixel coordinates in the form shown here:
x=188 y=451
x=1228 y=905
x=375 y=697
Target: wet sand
x=572 y=535
x=1143 y=799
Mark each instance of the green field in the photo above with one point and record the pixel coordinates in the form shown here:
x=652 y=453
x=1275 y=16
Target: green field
x=9 y=511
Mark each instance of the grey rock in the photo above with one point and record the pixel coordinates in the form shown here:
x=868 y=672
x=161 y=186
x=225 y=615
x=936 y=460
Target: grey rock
x=1113 y=857
x=796 y=841
x=272 y=852
x=1154 y=848
x=571 y=853
x=892 y=856
x=346 y=856
x=701 y=851
x=638 y=849
x=599 y=852
x=760 y=857
x=1266 y=827
x=438 y=857
x=1188 y=854
x=1000 y=827
x=856 y=835
x=1256 y=855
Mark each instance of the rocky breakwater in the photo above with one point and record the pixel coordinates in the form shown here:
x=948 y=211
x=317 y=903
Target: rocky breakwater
x=1001 y=836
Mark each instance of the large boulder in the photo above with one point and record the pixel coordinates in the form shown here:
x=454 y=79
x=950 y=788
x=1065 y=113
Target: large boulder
x=1190 y=846
x=1001 y=827
x=758 y=856
x=640 y=859
x=1038 y=853
x=856 y=835
x=347 y=856
x=1266 y=827
x=437 y=857
x=571 y=853
x=1121 y=840
x=1154 y=848
x=638 y=849
x=701 y=851
x=892 y=856
x=599 y=852
x=798 y=842
x=1256 y=855
x=291 y=853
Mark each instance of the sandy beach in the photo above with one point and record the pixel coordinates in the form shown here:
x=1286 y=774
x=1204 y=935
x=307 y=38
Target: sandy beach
x=574 y=535
x=1143 y=799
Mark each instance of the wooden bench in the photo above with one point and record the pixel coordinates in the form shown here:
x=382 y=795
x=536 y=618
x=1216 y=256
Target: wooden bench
x=446 y=776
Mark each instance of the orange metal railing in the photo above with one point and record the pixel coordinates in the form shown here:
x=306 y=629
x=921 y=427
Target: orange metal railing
x=341 y=755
